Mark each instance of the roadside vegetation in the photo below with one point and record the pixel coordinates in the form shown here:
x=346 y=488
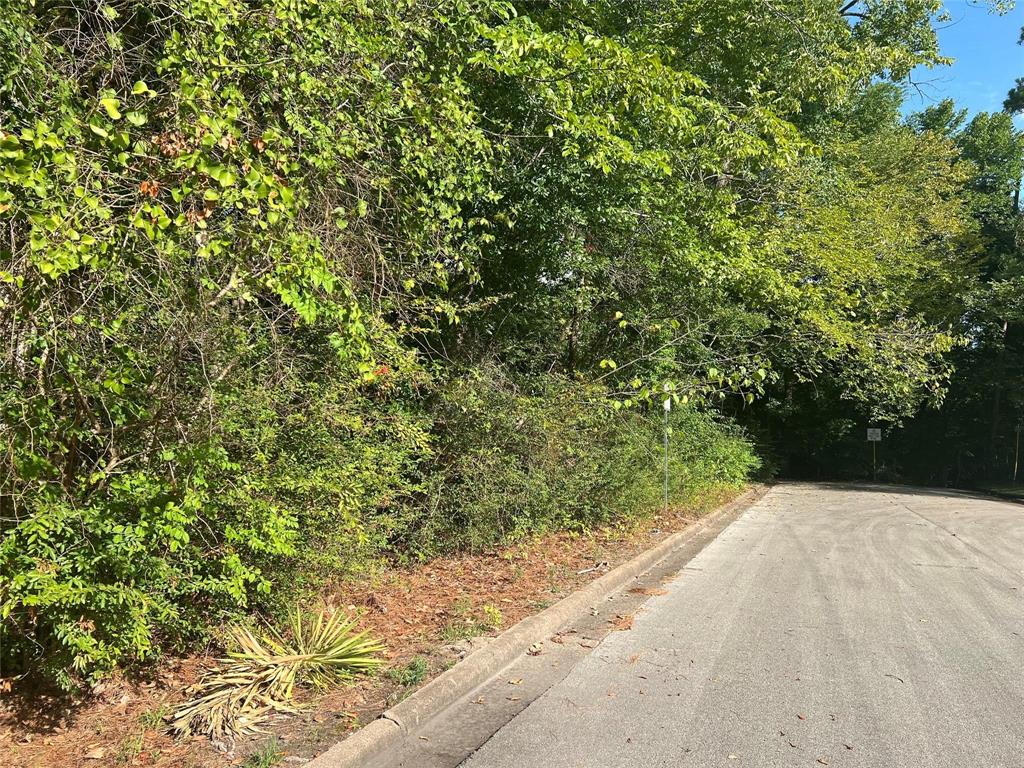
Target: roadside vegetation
x=294 y=290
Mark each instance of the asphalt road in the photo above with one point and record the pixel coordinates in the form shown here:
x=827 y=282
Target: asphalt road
x=829 y=625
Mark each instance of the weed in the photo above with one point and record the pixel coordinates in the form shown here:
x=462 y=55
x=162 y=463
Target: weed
x=130 y=747
x=462 y=606
x=409 y=675
x=470 y=624
x=492 y=617
x=461 y=629
x=154 y=718
x=268 y=754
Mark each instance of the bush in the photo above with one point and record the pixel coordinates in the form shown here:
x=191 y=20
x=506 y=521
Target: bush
x=233 y=232
x=520 y=458
x=196 y=396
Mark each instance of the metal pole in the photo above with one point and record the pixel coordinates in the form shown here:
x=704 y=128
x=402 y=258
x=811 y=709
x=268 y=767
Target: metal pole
x=874 y=463
x=1016 y=456
x=666 y=456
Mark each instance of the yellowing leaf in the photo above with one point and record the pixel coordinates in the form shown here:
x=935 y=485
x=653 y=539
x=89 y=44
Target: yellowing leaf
x=111 y=105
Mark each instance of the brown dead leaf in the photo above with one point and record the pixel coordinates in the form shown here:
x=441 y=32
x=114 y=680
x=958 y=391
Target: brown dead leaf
x=96 y=754
x=648 y=591
x=516 y=681
x=535 y=649
x=622 y=623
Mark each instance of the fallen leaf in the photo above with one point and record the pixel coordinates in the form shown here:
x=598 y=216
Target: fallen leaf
x=622 y=623
x=822 y=760
x=648 y=591
x=516 y=681
x=800 y=717
x=535 y=649
x=96 y=754
x=734 y=757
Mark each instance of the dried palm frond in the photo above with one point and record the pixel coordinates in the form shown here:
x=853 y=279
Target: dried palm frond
x=259 y=677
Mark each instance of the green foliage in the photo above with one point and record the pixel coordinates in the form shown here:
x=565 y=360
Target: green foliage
x=290 y=289
x=190 y=382
x=971 y=439
x=470 y=622
x=409 y=675
x=266 y=755
x=512 y=462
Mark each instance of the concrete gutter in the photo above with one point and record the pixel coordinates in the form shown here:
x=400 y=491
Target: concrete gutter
x=395 y=724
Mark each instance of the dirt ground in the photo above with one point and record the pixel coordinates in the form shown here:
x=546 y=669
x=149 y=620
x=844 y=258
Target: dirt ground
x=428 y=616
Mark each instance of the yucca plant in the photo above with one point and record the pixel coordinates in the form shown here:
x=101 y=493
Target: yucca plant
x=259 y=675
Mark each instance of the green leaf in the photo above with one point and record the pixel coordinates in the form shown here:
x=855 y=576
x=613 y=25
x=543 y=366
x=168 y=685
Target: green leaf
x=111 y=105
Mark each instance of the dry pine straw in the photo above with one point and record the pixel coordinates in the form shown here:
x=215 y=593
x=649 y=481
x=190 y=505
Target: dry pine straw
x=416 y=611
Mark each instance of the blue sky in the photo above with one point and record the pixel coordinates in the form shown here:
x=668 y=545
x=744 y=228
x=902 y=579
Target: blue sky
x=988 y=60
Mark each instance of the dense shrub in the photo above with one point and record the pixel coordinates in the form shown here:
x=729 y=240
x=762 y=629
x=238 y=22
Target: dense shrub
x=197 y=392
x=516 y=458
x=290 y=288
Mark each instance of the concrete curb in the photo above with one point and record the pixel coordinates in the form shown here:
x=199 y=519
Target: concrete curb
x=429 y=701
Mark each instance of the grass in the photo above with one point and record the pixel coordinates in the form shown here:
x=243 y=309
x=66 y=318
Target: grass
x=133 y=744
x=462 y=629
x=154 y=718
x=468 y=623
x=267 y=755
x=130 y=748
x=409 y=675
